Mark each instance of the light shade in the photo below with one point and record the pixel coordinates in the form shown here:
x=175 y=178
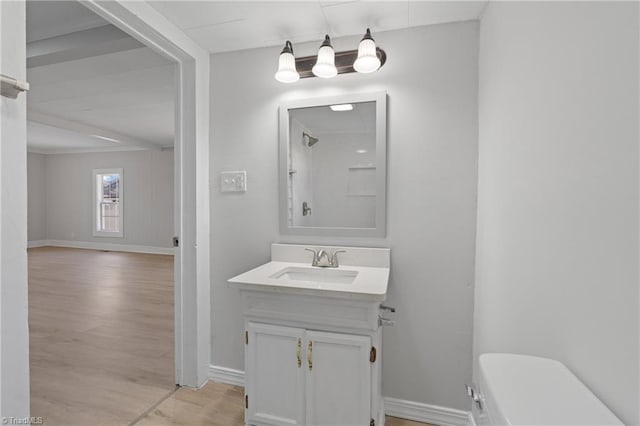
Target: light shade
x=368 y=60
x=287 y=72
x=325 y=66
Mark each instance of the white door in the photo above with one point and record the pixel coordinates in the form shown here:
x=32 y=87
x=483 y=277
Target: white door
x=14 y=339
x=275 y=375
x=338 y=382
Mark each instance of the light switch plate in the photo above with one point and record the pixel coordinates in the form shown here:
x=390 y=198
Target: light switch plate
x=233 y=181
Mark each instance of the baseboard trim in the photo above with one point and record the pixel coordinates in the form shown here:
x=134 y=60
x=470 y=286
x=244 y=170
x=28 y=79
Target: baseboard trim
x=102 y=246
x=38 y=243
x=425 y=413
x=410 y=410
x=472 y=420
x=226 y=375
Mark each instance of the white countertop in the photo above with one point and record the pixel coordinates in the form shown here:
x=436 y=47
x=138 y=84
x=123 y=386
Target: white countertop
x=370 y=283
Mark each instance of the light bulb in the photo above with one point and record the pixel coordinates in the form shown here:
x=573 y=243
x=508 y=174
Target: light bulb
x=341 y=107
x=368 y=60
x=287 y=72
x=325 y=66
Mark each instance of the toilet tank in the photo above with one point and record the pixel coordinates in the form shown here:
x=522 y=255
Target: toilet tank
x=526 y=390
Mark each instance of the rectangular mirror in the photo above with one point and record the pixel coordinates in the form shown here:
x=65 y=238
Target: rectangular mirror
x=333 y=166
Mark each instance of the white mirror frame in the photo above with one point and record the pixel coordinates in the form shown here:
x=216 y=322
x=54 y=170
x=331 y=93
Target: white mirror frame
x=380 y=98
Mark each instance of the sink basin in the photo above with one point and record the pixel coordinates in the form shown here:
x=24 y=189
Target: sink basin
x=363 y=273
x=336 y=276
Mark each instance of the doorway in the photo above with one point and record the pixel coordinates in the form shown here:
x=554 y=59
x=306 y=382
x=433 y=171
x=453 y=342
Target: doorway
x=100 y=168
x=192 y=302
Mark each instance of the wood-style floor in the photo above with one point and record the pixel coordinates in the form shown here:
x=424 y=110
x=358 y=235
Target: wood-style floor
x=215 y=404
x=101 y=334
x=101 y=331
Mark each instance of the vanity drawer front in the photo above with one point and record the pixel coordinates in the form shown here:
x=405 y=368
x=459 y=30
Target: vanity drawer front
x=312 y=311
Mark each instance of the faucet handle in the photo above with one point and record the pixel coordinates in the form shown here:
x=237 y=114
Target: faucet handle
x=314 y=262
x=334 y=257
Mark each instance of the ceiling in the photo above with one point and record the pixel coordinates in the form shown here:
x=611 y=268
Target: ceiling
x=221 y=26
x=93 y=87
x=46 y=19
x=51 y=139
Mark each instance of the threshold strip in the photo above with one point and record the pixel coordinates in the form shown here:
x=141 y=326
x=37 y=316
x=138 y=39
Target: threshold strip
x=153 y=407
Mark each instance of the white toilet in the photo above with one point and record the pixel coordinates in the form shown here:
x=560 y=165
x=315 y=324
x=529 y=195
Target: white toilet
x=526 y=390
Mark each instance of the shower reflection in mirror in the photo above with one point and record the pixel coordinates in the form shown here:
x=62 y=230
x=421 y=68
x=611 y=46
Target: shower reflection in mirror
x=334 y=163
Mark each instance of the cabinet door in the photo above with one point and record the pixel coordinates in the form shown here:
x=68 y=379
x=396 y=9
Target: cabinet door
x=274 y=377
x=338 y=382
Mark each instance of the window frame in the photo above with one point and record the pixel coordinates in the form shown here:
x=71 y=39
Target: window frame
x=94 y=198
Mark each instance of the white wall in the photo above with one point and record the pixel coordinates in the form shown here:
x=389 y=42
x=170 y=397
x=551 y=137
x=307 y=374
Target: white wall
x=37 y=197
x=14 y=344
x=148 y=196
x=432 y=157
x=334 y=157
x=557 y=246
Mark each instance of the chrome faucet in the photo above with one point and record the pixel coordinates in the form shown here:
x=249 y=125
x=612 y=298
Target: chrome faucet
x=325 y=259
x=334 y=258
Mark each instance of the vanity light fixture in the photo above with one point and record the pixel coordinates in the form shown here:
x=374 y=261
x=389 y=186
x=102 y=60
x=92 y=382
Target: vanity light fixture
x=368 y=60
x=328 y=63
x=341 y=107
x=325 y=66
x=287 y=72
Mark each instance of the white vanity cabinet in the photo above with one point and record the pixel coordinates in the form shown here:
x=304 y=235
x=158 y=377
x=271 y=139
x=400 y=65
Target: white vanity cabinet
x=338 y=379
x=313 y=339
x=304 y=377
x=274 y=379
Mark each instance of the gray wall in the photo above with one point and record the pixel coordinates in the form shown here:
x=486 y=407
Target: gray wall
x=37 y=197
x=557 y=249
x=431 y=80
x=148 y=196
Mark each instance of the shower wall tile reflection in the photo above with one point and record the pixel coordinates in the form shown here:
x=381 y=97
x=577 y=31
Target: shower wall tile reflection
x=332 y=166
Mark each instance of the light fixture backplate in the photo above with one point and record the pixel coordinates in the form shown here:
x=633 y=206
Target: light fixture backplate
x=344 y=62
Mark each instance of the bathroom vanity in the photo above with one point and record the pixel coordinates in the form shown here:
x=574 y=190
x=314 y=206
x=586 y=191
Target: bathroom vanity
x=313 y=338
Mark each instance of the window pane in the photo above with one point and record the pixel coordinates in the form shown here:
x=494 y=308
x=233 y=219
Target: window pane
x=111 y=187
x=109 y=216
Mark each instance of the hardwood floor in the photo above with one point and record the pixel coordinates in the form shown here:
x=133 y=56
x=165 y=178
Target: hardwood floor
x=101 y=343
x=215 y=404
x=101 y=334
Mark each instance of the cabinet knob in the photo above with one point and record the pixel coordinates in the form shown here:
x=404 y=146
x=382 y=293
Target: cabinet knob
x=310 y=354
x=298 y=352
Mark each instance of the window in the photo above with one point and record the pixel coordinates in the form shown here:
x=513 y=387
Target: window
x=107 y=205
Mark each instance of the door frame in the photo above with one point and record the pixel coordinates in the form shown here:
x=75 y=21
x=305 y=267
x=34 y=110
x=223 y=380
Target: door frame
x=191 y=178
